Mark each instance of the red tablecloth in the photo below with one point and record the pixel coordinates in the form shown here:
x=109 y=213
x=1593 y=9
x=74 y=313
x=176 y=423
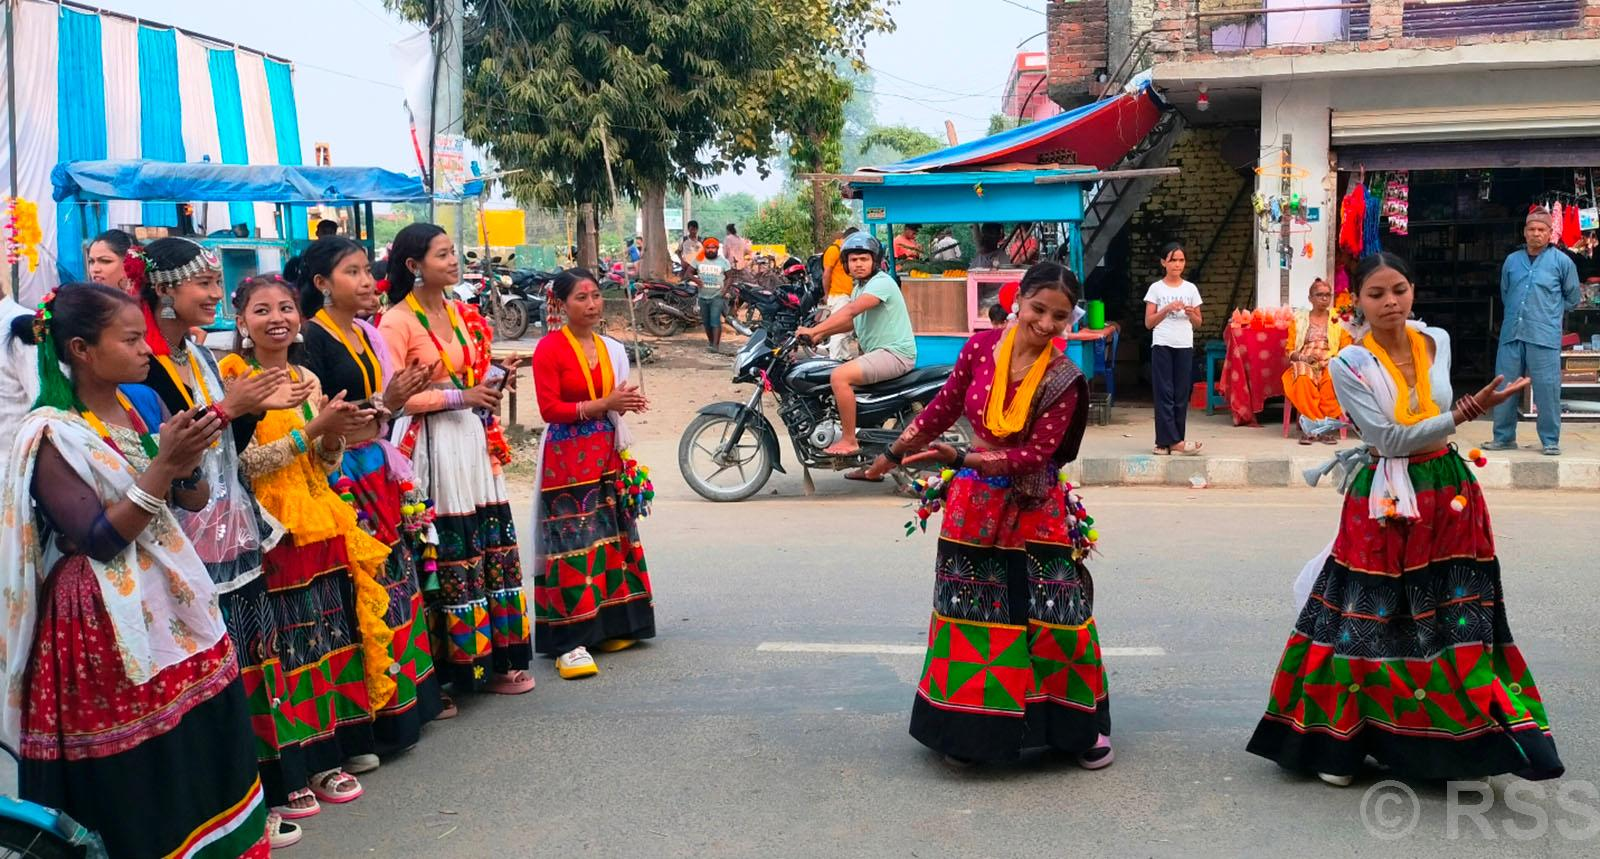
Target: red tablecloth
x=1253 y=370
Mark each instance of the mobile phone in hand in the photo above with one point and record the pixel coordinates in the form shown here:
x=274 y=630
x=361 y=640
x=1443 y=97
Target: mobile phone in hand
x=498 y=377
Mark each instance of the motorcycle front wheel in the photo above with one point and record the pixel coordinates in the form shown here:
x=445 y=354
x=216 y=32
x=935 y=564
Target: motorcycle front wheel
x=511 y=321
x=717 y=470
x=659 y=321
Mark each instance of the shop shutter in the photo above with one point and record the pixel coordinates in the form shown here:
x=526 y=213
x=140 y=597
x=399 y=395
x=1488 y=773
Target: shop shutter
x=1444 y=124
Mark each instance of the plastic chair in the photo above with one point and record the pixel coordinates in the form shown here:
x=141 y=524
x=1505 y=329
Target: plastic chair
x=1105 y=363
x=1216 y=353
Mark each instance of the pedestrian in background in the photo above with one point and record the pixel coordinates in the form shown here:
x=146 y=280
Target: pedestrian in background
x=689 y=247
x=1171 y=311
x=736 y=248
x=711 y=273
x=1538 y=285
x=840 y=287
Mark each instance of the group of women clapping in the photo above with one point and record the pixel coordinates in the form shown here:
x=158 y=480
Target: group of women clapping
x=243 y=582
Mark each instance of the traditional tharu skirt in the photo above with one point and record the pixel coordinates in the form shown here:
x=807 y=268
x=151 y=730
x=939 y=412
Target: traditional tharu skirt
x=476 y=602
x=162 y=768
x=593 y=584
x=378 y=496
x=1403 y=651
x=1013 y=654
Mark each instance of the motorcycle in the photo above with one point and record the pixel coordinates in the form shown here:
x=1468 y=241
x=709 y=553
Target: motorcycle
x=494 y=290
x=736 y=441
x=666 y=308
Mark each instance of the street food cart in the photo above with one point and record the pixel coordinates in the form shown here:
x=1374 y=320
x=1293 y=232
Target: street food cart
x=89 y=185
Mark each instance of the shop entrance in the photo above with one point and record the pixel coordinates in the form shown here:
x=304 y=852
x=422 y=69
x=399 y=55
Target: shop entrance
x=1456 y=226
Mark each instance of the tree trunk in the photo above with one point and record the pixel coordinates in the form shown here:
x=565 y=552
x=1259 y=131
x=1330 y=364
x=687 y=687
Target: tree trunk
x=821 y=223
x=652 y=210
x=588 y=238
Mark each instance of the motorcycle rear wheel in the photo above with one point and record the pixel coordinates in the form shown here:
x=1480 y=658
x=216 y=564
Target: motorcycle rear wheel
x=700 y=464
x=658 y=321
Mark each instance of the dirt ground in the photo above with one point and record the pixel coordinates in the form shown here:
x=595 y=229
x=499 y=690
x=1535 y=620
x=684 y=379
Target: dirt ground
x=679 y=377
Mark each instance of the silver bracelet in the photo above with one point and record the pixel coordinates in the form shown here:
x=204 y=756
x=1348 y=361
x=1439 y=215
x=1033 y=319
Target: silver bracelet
x=145 y=501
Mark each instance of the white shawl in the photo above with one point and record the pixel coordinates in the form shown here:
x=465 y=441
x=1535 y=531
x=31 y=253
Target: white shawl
x=621 y=370
x=157 y=594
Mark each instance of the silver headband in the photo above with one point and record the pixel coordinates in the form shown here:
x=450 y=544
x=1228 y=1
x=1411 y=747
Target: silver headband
x=206 y=261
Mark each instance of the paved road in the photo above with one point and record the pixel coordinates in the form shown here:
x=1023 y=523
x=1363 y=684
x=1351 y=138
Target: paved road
x=702 y=745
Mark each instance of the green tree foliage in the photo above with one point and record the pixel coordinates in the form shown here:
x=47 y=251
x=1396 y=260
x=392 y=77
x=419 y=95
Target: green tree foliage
x=909 y=142
x=786 y=219
x=715 y=214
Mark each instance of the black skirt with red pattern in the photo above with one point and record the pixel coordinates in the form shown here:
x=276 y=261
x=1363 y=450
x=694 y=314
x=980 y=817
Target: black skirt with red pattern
x=1403 y=651
x=161 y=768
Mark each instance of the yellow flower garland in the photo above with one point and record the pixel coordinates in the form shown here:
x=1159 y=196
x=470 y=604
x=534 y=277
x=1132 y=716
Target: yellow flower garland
x=1002 y=420
x=1422 y=365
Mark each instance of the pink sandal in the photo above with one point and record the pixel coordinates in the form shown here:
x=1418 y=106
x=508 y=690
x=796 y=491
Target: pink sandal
x=336 y=786
x=1097 y=756
x=289 y=811
x=511 y=683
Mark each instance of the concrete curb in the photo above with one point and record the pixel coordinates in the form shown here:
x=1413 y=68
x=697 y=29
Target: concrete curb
x=1277 y=472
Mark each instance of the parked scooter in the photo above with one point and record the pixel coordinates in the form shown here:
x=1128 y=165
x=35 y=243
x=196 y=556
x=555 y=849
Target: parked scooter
x=494 y=290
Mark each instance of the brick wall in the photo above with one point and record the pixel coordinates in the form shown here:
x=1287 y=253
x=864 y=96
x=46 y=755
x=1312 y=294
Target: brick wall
x=1176 y=33
x=1076 y=34
x=1192 y=207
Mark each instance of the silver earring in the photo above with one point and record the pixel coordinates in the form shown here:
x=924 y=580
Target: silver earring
x=299 y=337
x=169 y=308
x=327 y=296
x=245 y=342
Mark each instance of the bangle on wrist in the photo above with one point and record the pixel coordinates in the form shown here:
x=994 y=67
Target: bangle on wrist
x=299 y=440
x=145 y=501
x=222 y=414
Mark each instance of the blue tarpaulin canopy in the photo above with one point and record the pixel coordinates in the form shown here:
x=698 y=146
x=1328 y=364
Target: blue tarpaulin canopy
x=165 y=181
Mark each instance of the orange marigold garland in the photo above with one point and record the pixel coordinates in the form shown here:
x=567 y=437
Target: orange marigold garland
x=22 y=232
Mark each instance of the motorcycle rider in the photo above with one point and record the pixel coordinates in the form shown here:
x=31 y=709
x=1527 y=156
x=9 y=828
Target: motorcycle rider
x=877 y=313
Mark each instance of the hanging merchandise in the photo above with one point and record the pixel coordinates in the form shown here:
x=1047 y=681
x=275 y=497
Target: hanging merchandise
x=1396 y=202
x=1485 y=185
x=1352 y=215
x=1572 y=226
x=1556 y=214
x=1371 y=241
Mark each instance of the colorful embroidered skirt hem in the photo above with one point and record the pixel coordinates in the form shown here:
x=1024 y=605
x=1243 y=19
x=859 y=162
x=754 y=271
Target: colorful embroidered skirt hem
x=1403 y=651
x=1013 y=658
x=162 y=768
x=378 y=496
x=594 y=584
x=319 y=692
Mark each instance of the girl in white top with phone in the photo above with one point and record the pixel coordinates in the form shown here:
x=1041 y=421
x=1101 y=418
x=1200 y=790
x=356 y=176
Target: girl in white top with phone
x=1171 y=312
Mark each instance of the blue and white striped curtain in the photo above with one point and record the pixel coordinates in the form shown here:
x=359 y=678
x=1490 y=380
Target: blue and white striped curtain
x=81 y=135
x=103 y=87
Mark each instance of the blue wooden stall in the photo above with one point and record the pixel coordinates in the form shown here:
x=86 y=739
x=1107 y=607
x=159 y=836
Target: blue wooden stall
x=1009 y=196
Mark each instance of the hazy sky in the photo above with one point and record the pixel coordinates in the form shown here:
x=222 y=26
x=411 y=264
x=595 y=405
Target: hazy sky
x=948 y=59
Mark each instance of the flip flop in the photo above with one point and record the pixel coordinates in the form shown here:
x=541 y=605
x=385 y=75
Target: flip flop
x=861 y=475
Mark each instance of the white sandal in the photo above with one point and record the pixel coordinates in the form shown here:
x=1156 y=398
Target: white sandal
x=281 y=833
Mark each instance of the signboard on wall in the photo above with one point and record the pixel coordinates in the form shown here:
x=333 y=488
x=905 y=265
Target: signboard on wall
x=674 y=218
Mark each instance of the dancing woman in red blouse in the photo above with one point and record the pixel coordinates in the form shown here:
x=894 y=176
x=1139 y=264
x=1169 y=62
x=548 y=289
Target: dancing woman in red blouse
x=593 y=589
x=1013 y=654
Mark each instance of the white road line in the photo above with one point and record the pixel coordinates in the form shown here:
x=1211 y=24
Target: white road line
x=910 y=649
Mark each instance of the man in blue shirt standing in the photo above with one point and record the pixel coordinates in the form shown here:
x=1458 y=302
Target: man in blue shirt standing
x=1538 y=286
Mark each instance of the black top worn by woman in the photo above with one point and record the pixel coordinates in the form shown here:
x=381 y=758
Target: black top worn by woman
x=327 y=357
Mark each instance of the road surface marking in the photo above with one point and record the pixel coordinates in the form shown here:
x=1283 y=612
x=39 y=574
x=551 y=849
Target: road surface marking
x=910 y=649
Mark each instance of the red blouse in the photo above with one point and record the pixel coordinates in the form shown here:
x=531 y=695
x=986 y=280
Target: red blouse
x=558 y=379
x=966 y=394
